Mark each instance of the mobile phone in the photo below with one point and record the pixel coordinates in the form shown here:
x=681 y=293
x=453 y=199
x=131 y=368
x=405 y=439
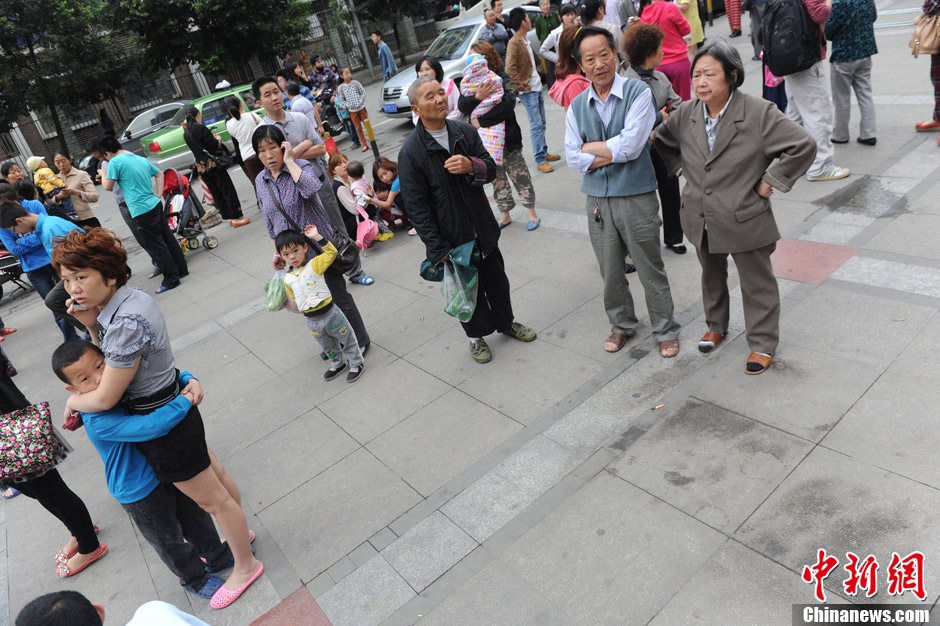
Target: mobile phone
x=78 y=307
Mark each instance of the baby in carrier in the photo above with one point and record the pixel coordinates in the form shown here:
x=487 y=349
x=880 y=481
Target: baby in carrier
x=476 y=73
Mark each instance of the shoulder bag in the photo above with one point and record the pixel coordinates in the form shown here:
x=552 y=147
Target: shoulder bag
x=347 y=253
x=926 y=39
x=28 y=444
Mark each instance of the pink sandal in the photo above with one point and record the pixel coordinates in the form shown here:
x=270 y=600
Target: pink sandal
x=63 y=569
x=224 y=597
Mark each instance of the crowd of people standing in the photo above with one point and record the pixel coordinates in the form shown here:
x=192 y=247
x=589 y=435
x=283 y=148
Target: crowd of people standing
x=645 y=97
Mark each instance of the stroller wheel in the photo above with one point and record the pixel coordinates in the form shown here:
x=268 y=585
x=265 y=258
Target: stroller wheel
x=210 y=242
x=192 y=243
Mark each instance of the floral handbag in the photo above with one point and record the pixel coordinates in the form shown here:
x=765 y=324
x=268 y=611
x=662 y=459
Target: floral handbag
x=28 y=443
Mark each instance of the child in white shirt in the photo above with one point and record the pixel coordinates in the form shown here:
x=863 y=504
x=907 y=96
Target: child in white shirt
x=307 y=287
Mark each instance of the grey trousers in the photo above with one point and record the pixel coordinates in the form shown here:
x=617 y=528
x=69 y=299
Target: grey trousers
x=811 y=105
x=845 y=77
x=758 y=290
x=336 y=337
x=631 y=227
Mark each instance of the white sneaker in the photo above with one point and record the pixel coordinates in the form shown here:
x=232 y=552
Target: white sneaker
x=833 y=174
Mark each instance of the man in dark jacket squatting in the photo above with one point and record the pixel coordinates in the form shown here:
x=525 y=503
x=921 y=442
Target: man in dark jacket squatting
x=443 y=167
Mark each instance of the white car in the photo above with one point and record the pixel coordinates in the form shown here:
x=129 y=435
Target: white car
x=452 y=47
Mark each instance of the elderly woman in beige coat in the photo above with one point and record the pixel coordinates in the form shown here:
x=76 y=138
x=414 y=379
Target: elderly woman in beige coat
x=725 y=142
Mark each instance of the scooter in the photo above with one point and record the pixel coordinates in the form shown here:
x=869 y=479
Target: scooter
x=10 y=271
x=328 y=114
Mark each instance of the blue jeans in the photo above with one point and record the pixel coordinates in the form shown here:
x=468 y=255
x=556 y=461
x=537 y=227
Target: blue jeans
x=534 y=103
x=44 y=279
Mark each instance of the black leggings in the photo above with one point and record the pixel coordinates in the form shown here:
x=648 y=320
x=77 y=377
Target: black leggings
x=49 y=489
x=56 y=497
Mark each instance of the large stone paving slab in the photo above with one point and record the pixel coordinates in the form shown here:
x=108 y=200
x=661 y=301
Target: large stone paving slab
x=840 y=504
x=833 y=321
x=404 y=388
x=711 y=463
x=432 y=446
x=612 y=554
x=327 y=517
x=304 y=447
x=497 y=596
x=827 y=389
x=524 y=398
x=918 y=359
x=737 y=587
x=893 y=426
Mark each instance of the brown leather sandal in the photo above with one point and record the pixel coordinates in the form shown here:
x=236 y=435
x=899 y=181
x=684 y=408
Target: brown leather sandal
x=710 y=338
x=666 y=348
x=760 y=362
x=618 y=339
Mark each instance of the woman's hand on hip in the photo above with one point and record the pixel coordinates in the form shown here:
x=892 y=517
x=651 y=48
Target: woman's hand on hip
x=193 y=391
x=763 y=189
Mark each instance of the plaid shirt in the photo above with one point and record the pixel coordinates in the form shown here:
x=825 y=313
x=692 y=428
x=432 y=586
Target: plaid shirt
x=299 y=200
x=351 y=96
x=932 y=7
x=326 y=79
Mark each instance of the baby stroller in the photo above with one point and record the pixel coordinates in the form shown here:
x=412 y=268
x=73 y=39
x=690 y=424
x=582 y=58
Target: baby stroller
x=183 y=212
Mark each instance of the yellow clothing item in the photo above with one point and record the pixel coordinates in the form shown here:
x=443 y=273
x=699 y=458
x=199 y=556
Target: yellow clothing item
x=46 y=180
x=306 y=286
x=689 y=9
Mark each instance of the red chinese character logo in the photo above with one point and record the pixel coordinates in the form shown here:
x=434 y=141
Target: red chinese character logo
x=906 y=574
x=864 y=575
x=819 y=572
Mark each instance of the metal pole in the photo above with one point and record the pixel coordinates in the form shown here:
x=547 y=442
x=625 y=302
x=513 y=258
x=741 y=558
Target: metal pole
x=710 y=20
x=370 y=135
x=362 y=39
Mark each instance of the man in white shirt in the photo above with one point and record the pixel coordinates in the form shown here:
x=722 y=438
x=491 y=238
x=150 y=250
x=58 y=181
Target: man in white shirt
x=607 y=130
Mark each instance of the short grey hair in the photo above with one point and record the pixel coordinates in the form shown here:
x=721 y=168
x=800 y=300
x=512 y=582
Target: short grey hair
x=726 y=54
x=415 y=86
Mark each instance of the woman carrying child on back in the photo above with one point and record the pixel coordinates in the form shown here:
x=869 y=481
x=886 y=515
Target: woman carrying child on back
x=351 y=96
x=140 y=373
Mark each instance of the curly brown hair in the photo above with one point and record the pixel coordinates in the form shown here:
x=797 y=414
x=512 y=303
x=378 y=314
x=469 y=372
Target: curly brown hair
x=493 y=60
x=97 y=249
x=641 y=41
x=566 y=64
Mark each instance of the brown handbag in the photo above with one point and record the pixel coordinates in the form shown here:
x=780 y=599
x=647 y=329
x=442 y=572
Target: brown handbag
x=926 y=39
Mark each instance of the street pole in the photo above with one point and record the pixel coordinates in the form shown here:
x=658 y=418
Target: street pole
x=362 y=39
x=370 y=135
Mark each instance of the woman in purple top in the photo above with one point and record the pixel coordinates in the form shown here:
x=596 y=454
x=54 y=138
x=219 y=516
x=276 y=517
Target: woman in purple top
x=289 y=185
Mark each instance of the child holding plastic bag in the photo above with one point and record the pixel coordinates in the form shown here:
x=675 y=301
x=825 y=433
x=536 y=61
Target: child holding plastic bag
x=476 y=73
x=307 y=287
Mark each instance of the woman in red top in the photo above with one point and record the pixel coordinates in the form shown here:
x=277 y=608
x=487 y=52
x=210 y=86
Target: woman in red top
x=676 y=64
x=569 y=81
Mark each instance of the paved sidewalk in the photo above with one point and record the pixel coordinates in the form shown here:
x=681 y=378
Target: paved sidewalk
x=557 y=484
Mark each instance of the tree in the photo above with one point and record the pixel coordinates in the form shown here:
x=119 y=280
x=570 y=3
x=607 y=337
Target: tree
x=55 y=54
x=216 y=34
x=386 y=11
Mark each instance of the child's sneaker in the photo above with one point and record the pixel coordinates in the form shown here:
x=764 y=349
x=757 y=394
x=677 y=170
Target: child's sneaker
x=355 y=373
x=331 y=373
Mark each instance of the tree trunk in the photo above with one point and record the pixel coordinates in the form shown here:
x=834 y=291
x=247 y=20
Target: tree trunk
x=401 y=43
x=60 y=133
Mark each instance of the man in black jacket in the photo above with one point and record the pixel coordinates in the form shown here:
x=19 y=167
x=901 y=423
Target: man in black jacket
x=443 y=167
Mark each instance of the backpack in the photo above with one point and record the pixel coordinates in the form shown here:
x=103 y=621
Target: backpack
x=792 y=41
